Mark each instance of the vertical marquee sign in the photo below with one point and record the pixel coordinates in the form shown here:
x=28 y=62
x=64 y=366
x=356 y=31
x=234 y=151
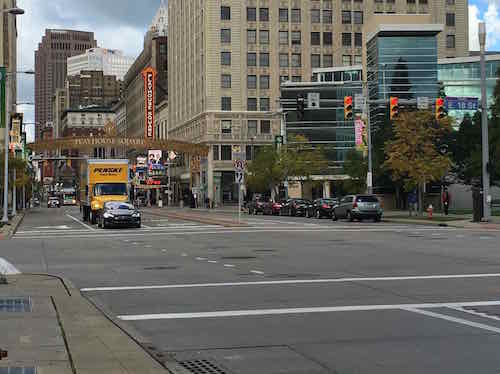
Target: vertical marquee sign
x=149 y=75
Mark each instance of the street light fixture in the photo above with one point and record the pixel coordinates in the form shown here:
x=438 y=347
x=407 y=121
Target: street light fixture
x=484 y=125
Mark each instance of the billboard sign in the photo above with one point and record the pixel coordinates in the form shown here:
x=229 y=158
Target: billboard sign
x=154 y=157
x=149 y=75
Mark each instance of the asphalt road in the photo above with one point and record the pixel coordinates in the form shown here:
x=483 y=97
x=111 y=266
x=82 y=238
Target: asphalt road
x=285 y=295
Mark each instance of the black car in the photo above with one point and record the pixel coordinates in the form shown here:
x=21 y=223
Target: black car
x=295 y=207
x=320 y=208
x=117 y=213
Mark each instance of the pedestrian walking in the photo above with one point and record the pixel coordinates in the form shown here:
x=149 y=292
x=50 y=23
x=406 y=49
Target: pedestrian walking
x=412 y=202
x=446 y=198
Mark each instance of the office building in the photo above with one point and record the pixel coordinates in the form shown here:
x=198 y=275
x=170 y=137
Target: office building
x=51 y=68
x=59 y=105
x=92 y=88
x=109 y=61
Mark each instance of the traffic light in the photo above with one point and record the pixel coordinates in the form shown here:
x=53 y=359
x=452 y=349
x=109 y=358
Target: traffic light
x=393 y=107
x=348 y=108
x=300 y=107
x=440 y=110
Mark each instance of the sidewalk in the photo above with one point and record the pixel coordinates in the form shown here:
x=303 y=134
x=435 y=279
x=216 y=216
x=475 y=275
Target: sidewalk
x=64 y=333
x=6 y=231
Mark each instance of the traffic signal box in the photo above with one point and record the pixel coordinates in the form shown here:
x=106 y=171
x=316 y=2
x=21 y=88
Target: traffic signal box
x=393 y=107
x=348 y=108
x=440 y=110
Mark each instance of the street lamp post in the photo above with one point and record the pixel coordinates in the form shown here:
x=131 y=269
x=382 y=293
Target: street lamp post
x=484 y=125
x=5 y=219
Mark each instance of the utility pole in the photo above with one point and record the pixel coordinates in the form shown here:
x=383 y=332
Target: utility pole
x=484 y=125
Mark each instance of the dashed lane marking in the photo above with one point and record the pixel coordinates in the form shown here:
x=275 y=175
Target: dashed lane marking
x=257 y=272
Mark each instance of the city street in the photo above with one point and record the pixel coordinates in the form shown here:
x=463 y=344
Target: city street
x=283 y=294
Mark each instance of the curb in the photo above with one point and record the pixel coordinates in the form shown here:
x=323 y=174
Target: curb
x=422 y=223
x=8 y=232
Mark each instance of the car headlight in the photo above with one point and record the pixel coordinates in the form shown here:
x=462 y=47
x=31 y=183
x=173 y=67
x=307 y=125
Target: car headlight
x=136 y=215
x=107 y=215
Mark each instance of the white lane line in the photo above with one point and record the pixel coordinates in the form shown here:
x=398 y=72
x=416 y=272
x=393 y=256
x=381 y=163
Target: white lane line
x=228 y=266
x=256 y=272
x=213 y=261
x=80 y=222
x=453 y=319
x=7 y=268
x=184 y=255
x=146 y=227
x=200 y=258
x=296 y=281
x=473 y=312
x=329 y=309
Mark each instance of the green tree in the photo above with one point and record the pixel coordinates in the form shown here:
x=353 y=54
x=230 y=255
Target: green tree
x=413 y=155
x=356 y=166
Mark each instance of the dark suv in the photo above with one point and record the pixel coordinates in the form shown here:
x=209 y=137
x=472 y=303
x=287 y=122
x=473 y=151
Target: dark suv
x=257 y=205
x=358 y=207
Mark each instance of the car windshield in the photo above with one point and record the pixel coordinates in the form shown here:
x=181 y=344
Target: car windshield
x=114 y=205
x=366 y=199
x=110 y=189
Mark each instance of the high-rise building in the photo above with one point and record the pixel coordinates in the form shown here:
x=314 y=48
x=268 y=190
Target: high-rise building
x=92 y=88
x=227 y=59
x=51 y=68
x=110 y=61
x=8 y=51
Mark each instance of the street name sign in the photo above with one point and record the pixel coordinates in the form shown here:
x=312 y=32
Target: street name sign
x=461 y=103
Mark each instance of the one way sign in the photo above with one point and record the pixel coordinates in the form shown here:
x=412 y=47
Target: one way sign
x=240 y=177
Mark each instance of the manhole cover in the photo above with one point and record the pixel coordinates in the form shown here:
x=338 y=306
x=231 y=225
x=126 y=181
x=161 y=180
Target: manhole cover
x=17 y=370
x=161 y=268
x=202 y=367
x=238 y=258
x=15 y=304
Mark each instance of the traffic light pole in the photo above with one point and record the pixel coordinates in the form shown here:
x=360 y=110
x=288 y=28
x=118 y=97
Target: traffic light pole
x=369 y=177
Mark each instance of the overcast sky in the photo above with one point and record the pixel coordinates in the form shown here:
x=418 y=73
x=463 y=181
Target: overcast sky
x=117 y=24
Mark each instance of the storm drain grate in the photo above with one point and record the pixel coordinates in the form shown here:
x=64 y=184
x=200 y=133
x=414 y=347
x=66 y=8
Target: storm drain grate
x=15 y=304
x=17 y=370
x=202 y=367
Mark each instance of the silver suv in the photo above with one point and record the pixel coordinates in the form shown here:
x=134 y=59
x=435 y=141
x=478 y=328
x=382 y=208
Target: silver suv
x=358 y=207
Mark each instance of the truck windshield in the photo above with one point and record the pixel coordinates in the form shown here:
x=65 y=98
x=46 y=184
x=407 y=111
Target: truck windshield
x=110 y=189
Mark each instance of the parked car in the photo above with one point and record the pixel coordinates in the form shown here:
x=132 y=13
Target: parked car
x=53 y=202
x=272 y=208
x=320 y=208
x=257 y=205
x=117 y=213
x=358 y=207
x=295 y=207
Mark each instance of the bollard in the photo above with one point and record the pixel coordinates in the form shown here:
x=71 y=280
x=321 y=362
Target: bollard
x=430 y=209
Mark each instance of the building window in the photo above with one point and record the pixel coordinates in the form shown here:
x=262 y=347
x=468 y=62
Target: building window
x=252 y=128
x=225 y=13
x=296 y=60
x=225 y=58
x=346 y=17
x=327 y=61
x=346 y=39
x=450 y=2
x=422 y=1
x=265 y=126
x=226 y=153
x=251 y=14
x=450 y=19
x=226 y=127
x=358 y=39
x=251 y=36
x=410 y=1
x=315 y=16
x=327 y=16
x=283 y=14
x=283 y=60
x=315 y=38
x=327 y=4
x=296 y=78
x=284 y=78
x=296 y=38
x=284 y=37
x=215 y=153
x=264 y=36
x=264 y=82
x=248 y=152
x=264 y=14
x=252 y=82
x=315 y=61
x=251 y=59
x=225 y=103
x=252 y=104
x=346 y=60
x=225 y=35
x=264 y=104
x=264 y=59
x=358 y=60
x=225 y=80
x=296 y=16
x=450 y=41
x=327 y=38
x=358 y=18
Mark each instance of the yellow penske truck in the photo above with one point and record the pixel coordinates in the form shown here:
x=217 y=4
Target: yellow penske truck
x=102 y=181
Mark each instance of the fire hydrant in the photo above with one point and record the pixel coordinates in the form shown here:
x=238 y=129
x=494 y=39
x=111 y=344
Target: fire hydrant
x=430 y=209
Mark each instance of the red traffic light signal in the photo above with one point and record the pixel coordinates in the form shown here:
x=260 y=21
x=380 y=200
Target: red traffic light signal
x=394 y=107
x=348 y=107
x=440 y=110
